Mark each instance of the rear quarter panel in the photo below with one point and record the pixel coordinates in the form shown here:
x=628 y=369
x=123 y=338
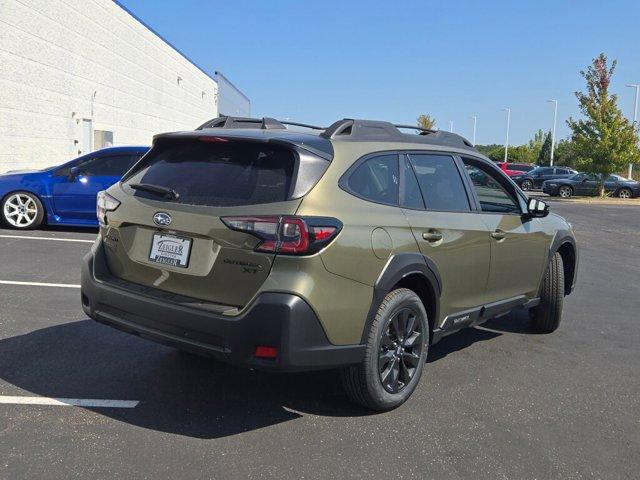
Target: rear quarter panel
x=371 y=231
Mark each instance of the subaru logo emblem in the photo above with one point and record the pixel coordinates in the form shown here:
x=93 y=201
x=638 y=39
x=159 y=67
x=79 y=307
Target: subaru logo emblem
x=162 y=219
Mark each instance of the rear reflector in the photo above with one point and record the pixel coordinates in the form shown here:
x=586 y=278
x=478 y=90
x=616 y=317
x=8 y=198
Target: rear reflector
x=287 y=234
x=322 y=233
x=266 y=352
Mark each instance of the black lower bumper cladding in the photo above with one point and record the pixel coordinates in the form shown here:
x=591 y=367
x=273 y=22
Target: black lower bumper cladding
x=280 y=320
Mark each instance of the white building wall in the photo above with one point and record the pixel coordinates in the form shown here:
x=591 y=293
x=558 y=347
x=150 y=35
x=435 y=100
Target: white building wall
x=62 y=61
x=231 y=101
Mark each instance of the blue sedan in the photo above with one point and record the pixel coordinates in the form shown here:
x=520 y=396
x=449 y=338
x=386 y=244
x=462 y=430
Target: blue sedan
x=66 y=194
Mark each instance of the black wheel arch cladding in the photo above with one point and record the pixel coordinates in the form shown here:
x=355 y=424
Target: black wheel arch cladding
x=399 y=267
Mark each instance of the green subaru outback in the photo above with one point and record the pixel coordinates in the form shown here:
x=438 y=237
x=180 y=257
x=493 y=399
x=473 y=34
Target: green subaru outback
x=292 y=247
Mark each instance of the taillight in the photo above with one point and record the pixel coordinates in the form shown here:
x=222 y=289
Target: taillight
x=105 y=203
x=286 y=234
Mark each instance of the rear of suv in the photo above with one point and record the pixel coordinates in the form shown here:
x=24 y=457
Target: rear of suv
x=354 y=246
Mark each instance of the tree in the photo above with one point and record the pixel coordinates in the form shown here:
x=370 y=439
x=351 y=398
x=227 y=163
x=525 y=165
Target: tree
x=535 y=144
x=544 y=155
x=494 y=151
x=604 y=141
x=521 y=154
x=426 y=121
x=565 y=154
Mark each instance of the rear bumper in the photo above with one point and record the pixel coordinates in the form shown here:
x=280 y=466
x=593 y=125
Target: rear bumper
x=280 y=320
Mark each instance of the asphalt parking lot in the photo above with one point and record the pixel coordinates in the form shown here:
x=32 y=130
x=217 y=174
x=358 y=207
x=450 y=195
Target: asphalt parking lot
x=495 y=402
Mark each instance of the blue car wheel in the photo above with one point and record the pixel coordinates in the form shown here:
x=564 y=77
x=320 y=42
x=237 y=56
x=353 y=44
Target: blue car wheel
x=624 y=193
x=22 y=210
x=527 y=185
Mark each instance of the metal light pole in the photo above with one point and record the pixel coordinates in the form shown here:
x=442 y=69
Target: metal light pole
x=635 y=116
x=451 y=126
x=506 y=143
x=553 y=132
x=475 y=121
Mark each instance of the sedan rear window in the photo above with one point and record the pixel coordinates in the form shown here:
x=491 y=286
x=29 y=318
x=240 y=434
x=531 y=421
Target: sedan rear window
x=221 y=173
x=521 y=168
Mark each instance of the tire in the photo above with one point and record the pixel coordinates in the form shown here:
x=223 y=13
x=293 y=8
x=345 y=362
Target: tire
x=364 y=382
x=546 y=316
x=565 y=191
x=527 y=185
x=22 y=211
x=624 y=193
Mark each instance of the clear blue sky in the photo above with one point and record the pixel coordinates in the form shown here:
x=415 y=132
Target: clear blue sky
x=392 y=60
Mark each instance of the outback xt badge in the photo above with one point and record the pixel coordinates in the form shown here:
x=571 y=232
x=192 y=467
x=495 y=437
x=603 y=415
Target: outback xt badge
x=367 y=242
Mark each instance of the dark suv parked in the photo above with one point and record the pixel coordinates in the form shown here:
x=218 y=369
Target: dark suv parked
x=354 y=246
x=534 y=178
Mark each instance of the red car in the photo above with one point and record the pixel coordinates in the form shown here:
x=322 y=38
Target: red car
x=513 y=169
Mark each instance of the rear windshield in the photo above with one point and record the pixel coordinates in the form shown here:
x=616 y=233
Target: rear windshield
x=224 y=173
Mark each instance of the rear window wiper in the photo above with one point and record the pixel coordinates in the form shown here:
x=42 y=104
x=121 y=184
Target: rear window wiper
x=166 y=192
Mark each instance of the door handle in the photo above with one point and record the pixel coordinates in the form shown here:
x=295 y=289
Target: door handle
x=498 y=234
x=432 y=236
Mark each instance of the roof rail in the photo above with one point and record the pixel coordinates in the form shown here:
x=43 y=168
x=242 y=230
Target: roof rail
x=372 y=131
x=369 y=128
x=265 y=123
x=305 y=125
x=423 y=131
x=349 y=129
x=360 y=129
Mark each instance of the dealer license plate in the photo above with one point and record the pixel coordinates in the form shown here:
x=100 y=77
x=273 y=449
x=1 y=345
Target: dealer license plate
x=170 y=250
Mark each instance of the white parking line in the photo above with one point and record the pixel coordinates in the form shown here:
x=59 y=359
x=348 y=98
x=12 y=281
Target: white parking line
x=29 y=237
x=39 y=284
x=68 y=402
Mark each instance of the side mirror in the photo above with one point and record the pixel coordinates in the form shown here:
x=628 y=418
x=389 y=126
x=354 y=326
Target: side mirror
x=73 y=173
x=76 y=172
x=537 y=208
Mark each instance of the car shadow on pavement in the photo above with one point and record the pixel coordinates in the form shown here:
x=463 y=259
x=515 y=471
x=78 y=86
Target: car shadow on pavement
x=178 y=393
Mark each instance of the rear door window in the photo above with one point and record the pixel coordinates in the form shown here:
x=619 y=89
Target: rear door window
x=440 y=183
x=376 y=179
x=223 y=173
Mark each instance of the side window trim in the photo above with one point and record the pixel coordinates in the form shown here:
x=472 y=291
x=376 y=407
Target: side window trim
x=343 y=182
x=403 y=162
x=474 y=201
x=503 y=180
